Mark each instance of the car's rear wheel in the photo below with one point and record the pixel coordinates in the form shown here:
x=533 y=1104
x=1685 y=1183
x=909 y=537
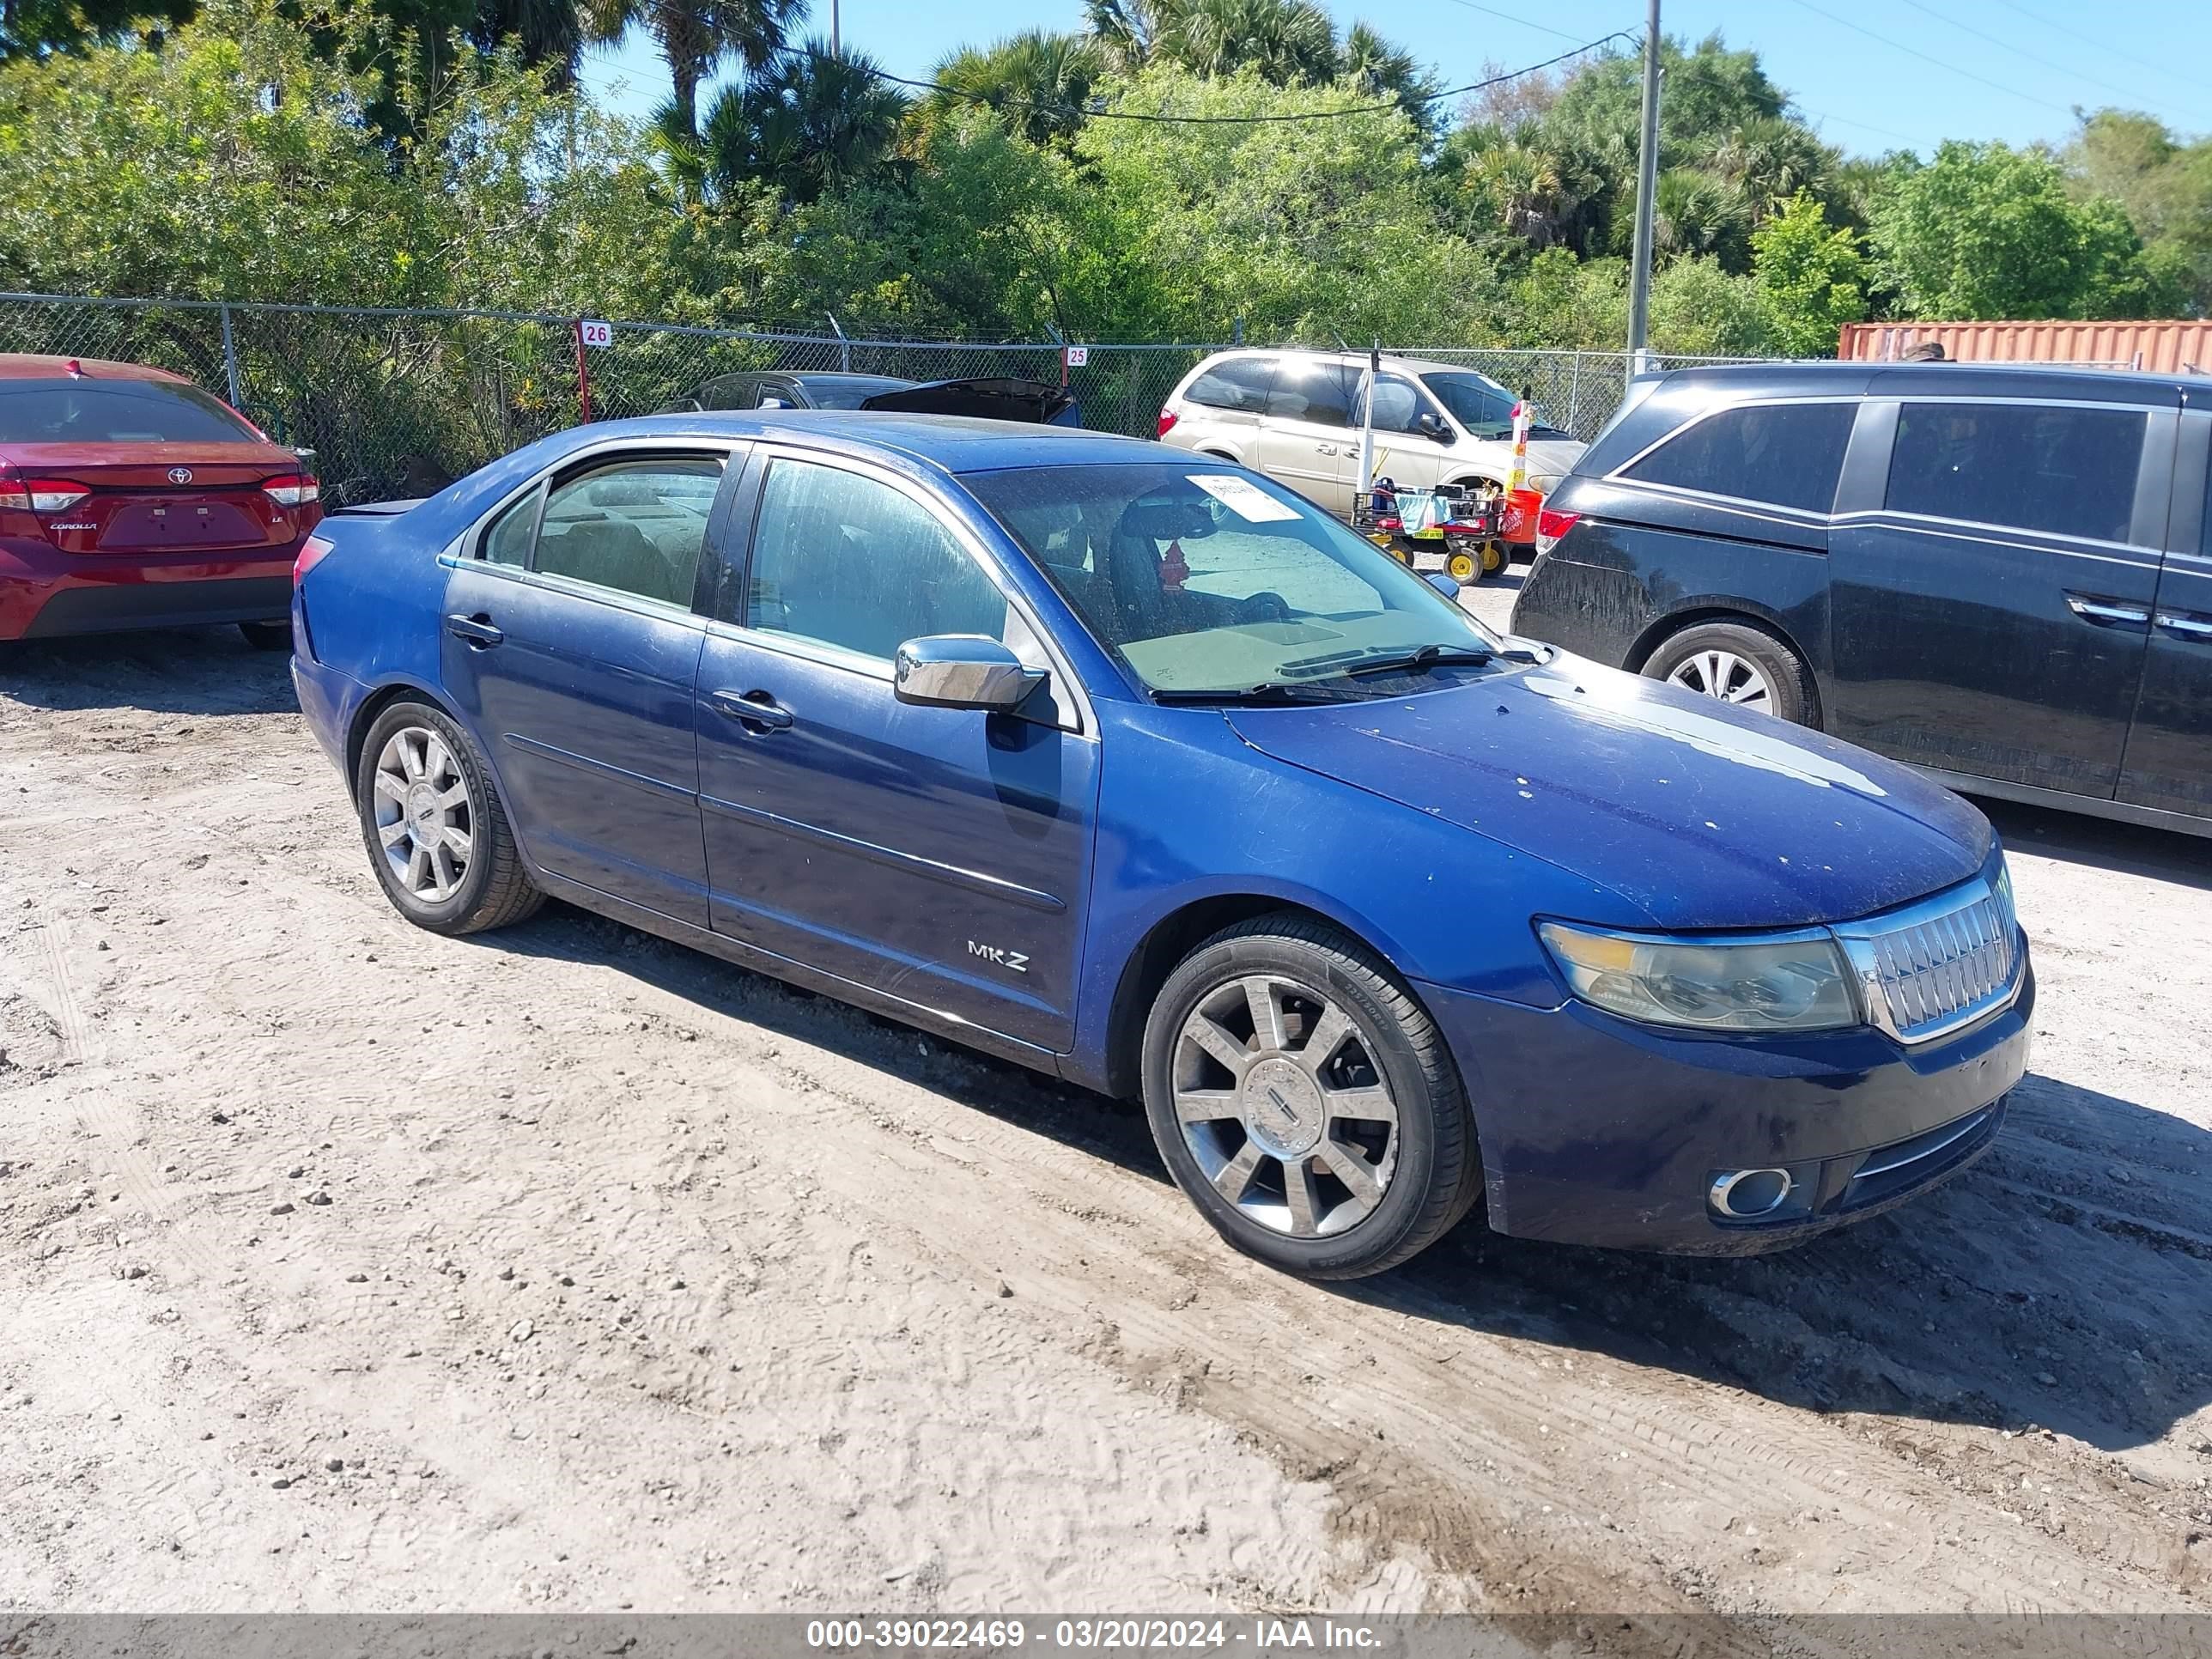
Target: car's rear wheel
x=1305 y=1102
x=1740 y=665
x=436 y=835
x=267 y=635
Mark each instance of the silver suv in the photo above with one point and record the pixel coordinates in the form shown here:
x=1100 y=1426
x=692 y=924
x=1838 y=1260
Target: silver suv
x=1296 y=415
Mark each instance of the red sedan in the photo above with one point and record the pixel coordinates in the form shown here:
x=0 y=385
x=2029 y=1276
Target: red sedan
x=129 y=498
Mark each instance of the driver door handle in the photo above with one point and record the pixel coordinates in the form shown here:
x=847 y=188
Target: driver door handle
x=757 y=712
x=478 y=631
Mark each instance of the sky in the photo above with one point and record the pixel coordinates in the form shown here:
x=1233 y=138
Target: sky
x=1873 y=75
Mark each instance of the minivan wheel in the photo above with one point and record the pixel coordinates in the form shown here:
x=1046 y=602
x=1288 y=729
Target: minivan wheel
x=1305 y=1104
x=1740 y=665
x=436 y=836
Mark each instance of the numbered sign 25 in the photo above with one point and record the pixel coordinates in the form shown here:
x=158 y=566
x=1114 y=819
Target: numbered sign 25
x=1078 y=356
x=594 y=332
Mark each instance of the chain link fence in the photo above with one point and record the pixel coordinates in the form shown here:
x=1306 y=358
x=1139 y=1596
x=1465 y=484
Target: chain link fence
x=396 y=403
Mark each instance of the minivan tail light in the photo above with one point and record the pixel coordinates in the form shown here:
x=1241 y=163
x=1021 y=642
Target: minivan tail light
x=1552 y=528
x=1167 y=423
x=292 y=490
x=311 y=555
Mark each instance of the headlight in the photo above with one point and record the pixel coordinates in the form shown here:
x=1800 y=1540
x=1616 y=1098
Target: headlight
x=1798 y=983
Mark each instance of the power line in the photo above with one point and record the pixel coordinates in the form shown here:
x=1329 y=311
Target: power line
x=1257 y=120
x=2091 y=40
x=1866 y=126
x=1928 y=58
x=1508 y=17
x=2019 y=52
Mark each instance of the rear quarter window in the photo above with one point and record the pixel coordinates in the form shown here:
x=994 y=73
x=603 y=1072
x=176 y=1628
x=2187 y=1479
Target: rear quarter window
x=1237 y=383
x=1786 y=454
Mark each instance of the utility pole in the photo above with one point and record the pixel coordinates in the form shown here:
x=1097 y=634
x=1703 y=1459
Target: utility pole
x=835 y=49
x=1647 y=183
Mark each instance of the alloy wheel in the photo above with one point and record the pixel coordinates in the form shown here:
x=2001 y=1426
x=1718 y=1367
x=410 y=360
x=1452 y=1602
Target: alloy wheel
x=423 y=818
x=1284 y=1106
x=1724 y=674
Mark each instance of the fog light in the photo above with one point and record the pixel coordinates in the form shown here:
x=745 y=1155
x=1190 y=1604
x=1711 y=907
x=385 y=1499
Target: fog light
x=1748 y=1194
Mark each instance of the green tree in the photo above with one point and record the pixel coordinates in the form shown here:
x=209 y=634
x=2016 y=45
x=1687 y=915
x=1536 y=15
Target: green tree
x=1812 y=278
x=34 y=28
x=811 y=121
x=1986 y=231
x=2164 y=184
x=697 y=37
x=1036 y=83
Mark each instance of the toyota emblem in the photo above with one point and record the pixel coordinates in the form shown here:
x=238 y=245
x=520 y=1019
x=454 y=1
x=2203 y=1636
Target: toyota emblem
x=180 y=474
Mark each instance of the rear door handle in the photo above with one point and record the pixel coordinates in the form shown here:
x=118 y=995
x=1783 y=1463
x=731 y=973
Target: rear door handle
x=757 y=711
x=477 y=630
x=2183 y=626
x=2107 y=613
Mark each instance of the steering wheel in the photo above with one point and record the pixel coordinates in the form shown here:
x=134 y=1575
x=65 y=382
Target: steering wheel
x=1263 y=606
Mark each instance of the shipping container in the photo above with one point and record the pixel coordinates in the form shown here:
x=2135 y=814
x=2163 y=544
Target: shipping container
x=2160 y=348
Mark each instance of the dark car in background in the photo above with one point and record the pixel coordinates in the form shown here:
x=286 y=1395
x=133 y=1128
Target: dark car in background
x=997 y=398
x=129 y=498
x=2002 y=575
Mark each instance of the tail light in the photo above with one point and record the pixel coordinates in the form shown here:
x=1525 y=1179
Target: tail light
x=1551 y=527
x=292 y=490
x=1167 y=423
x=311 y=555
x=39 y=494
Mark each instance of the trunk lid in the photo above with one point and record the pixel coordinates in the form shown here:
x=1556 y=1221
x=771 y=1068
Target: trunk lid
x=166 y=497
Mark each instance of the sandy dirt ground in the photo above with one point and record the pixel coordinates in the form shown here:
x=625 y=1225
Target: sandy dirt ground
x=343 y=1267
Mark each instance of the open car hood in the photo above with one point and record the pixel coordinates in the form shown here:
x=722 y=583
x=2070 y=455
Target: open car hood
x=993 y=398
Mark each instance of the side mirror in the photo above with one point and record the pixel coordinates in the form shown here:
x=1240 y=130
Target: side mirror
x=1433 y=426
x=1443 y=585
x=961 y=671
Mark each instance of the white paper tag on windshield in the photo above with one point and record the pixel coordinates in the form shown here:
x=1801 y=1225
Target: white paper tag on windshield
x=1243 y=497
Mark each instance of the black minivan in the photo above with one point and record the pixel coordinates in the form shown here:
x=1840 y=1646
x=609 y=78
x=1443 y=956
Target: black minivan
x=2001 y=574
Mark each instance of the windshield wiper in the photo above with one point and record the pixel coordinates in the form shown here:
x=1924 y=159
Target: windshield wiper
x=1426 y=657
x=1267 y=691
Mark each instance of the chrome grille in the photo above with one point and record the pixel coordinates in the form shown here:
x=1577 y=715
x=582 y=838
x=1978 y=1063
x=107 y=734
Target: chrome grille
x=1940 y=964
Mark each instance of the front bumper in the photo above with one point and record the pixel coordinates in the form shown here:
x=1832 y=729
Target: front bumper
x=45 y=593
x=1595 y=1130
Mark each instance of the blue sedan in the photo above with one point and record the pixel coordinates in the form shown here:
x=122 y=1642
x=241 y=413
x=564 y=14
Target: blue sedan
x=1133 y=766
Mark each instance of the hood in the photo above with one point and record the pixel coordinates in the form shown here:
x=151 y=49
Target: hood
x=1554 y=457
x=1696 y=814
x=996 y=399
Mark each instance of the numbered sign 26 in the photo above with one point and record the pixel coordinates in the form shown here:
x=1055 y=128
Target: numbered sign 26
x=594 y=332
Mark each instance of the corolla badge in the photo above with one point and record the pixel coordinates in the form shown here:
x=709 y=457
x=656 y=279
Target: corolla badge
x=180 y=474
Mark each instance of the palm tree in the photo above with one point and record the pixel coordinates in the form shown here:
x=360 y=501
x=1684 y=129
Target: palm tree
x=697 y=36
x=809 y=122
x=1126 y=30
x=1036 y=81
x=1289 y=42
x=1694 y=212
x=1769 y=159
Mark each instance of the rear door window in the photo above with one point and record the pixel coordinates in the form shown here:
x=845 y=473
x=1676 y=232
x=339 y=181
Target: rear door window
x=1320 y=394
x=1237 y=383
x=635 y=526
x=1789 y=454
x=94 y=411
x=2057 y=468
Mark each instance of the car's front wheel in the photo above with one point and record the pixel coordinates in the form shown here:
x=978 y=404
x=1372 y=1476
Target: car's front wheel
x=436 y=835
x=1305 y=1102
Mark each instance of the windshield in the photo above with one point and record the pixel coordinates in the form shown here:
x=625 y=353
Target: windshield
x=1206 y=578
x=88 y=411
x=1483 y=408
